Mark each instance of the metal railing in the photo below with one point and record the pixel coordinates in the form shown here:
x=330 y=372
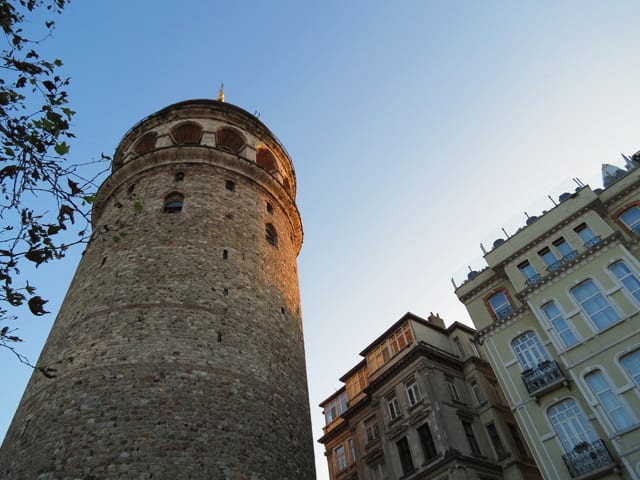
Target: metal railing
x=533 y=279
x=592 y=242
x=587 y=457
x=544 y=375
x=503 y=311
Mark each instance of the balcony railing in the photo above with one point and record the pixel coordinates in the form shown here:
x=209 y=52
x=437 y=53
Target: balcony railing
x=587 y=457
x=533 y=279
x=592 y=242
x=555 y=266
x=542 y=378
x=570 y=256
x=503 y=311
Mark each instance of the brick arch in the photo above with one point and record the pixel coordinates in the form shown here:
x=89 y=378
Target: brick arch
x=266 y=159
x=230 y=139
x=146 y=143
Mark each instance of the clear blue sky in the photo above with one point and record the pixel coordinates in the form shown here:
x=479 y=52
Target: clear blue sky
x=416 y=128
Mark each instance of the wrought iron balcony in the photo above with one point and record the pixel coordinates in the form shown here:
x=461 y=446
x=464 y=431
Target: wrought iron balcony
x=503 y=311
x=546 y=376
x=592 y=242
x=587 y=457
x=555 y=266
x=533 y=279
x=570 y=256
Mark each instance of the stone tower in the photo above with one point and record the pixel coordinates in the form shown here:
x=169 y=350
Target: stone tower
x=178 y=348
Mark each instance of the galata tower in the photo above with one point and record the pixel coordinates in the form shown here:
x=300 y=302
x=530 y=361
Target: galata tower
x=178 y=348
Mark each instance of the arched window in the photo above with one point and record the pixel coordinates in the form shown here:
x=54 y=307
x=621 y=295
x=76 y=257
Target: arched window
x=559 y=324
x=146 y=143
x=570 y=424
x=529 y=350
x=230 y=139
x=266 y=160
x=173 y=203
x=179 y=176
x=187 y=133
x=631 y=218
x=499 y=304
x=627 y=278
x=631 y=364
x=271 y=235
x=594 y=304
x=609 y=401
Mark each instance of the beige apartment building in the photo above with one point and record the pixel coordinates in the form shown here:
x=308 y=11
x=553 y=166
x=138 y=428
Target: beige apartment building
x=558 y=313
x=423 y=404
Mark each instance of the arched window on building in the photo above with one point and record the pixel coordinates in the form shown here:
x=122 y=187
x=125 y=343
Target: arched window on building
x=631 y=218
x=173 y=203
x=559 y=324
x=529 y=350
x=266 y=160
x=610 y=403
x=594 y=304
x=187 y=133
x=271 y=235
x=146 y=143
x=230 y=139
x=570 y=424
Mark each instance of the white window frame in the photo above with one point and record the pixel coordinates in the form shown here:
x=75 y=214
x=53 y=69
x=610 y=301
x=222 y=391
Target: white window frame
x=393 y=407
x=593 y=297
x=453 y=390
x=560 y=324
x=632 y=359
x=626 y=279
x=611 y=404
x=371 y=429
x=634 y=226
x=478 y=395
x=529 y=350
x=502 y=309
x=413 y=391
x=377 y=471
x=570 y=424
x=340 y=456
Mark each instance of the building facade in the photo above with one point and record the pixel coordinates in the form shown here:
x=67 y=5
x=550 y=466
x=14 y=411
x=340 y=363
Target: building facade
x=558 y=311
x=179 y=344
x=423 y=404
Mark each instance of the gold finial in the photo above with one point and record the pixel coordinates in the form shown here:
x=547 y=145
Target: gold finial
x=221 y=93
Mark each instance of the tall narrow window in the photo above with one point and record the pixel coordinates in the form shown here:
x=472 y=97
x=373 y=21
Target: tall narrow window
x=559 y=324
x=594 y=304
x=340 y=458
x=352 y=450
x=393 y=406
x=570 y=424
x=477 y=393
x=517 y=439
x=271 y=235
x=335 y=408
x=586 y=235
x=377 y=471
x=628 y=279
x=529 y=350
x=404 y=452
x=426 y=440
x=500 y=304
x=565 y=249
x=458 y=343
x=496 y=441
x=631 y=364
x=371 y=429
x=173 y=203
x=529 y=273
x=631 y=218
x=413 y=392
x=471 y=438
x=609 y=401
x=550 y=259
x=453 y=391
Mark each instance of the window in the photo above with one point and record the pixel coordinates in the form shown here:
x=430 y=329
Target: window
x=393 y=406
x=413 y=392
x=477 y=393
x=559 y=324
x=356 y=383
x=179 y=176
x=389 y=347
x=352 y=450
x=146 y=143
x=550 y=259
x=624 y=274
x=426 y=440
x=335 y=408
x=565 y=249
x=631 y=364
x=471 y=438
x=631 y=218
x=500 y=304
x=570 y=424
x=173 y=203
x=371 y=429
x=453 y=391
x=405 y=456
x=271 y=235
x=529 y=273
x=377 y=471
x=340 y=457
x=230 y=185
x=594 y=304
x=586 y=235
x=515 y=434
x=230 y=140
x=609 y=401
x=269 y=207
x=266 y=160
x=529 y=350
x=496 y=441
x=459 y=347
x=187 y=133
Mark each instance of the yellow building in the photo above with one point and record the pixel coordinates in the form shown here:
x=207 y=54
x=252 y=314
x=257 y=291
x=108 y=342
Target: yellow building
x=558 y=312
x=423 y=404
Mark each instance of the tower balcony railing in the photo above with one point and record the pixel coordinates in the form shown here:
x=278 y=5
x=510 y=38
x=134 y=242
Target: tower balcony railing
x=543 y=378
x=592 y=242
x=588 y=459
x=503 y=311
